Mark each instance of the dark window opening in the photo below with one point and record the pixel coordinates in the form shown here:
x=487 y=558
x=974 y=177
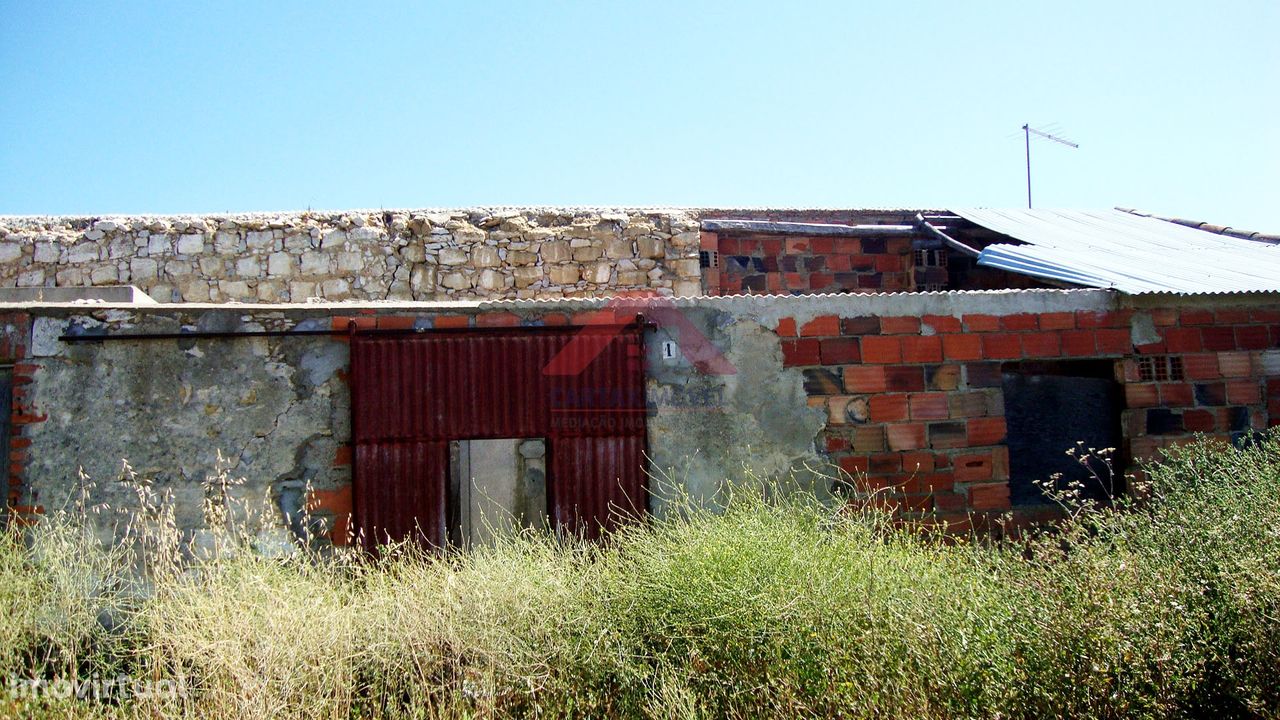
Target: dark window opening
x=931 y=258
x=1053 y=407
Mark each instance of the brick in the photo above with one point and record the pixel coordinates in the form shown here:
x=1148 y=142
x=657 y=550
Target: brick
x=343 y=323
x=1195 y=317
x=968 y=404
x=1019 y=322
x=806 y=351
x=886 y=463
x=1264 y=316
x=1199 y=421
x=928 y=483
x=853 y=465
x=840 y=351
x=1177 y=395
x=1000 y=463
x=987 y=431
x=823 y=325
x=981 y=323
x=1140 y=395
x=786 y=327
x=1244 y=392
x=501 y=319
x=865 y=379
x=962 y=347
x=1210 y=394
x=980 y=375
x=948 y=435
x=992 y=496
x=881 y=349
x=555 y=319
x=1253 y=337
x=1079 y=343
x=1114 y=319
x=1231 y=317
x=942 y=377
x=342 y=456
x=860 y=326
x=922 y=349
x=869 y=439
x=972 y=467
x=904 y=378
x=821 y=381
x=1042 y=344
x=1164 y=317
x=1235 y=364
x=1114 y=342
x=1201 y=366
x=928 y=406
x=889 y=408
x=917 y=461
x=942 y=323
x=396 y=322
x=906 y=436
x=837 y=443
x=1218 y=338
x=1183 y=340
x=336 y=501
x=452 y=321
x=899 y=325
x=1001 y=346
x=889 y=263
x=1058 y=321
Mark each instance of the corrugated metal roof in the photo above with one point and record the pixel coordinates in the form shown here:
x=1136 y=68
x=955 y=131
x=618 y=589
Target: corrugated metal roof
x=1129 y=253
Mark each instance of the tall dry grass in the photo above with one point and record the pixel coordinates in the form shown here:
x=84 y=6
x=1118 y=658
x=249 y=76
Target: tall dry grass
x=773 y=607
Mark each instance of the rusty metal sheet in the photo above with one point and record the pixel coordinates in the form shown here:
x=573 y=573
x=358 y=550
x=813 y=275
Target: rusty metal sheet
x=597 y=482
x=580 y=388
x=400 y=491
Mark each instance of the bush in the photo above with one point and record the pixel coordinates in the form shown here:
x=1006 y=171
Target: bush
x=771 y=608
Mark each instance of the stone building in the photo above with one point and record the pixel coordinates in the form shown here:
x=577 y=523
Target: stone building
x=453 y=372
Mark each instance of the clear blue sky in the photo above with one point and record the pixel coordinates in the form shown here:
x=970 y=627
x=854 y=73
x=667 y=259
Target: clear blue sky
x=208 y=107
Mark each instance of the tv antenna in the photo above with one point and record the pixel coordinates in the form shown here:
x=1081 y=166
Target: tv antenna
x=1027 y=132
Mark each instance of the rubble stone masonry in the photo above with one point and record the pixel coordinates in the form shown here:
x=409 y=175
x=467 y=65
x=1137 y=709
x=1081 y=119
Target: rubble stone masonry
x=375 y=255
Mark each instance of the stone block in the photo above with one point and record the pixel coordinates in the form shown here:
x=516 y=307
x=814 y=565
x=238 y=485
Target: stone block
x=335 y=289
x=567 y=274
x=280 y=264
x=453 y=256
x=617 y=248
x=651 y=247
x=142 y=270
x=350 y=262
x=597 y=273
x=249 y=267
x=315 y=263
x=554 y=251
x=10 y=252
x=526 y=276
x=485 y=256
x=522 y=257
x=191 y=245
x=456 y=281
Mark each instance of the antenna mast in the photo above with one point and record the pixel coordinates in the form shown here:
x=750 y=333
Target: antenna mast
x=1027 y=132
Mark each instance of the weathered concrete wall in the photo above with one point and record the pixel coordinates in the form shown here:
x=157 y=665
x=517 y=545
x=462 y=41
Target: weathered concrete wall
x=384 y=255
x=895 y=389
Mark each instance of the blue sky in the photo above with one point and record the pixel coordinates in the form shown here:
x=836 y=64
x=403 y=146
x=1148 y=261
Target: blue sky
x=211 y=107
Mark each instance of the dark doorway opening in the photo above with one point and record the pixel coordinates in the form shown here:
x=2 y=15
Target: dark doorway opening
x=1052 y=407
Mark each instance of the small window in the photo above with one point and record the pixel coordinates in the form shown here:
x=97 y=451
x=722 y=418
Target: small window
x=1160 y=368
x=931 y=258
x=708 y=259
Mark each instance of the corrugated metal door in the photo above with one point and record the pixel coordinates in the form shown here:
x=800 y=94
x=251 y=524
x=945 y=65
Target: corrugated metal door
x=580 y=388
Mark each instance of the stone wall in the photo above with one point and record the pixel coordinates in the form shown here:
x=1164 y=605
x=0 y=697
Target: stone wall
x=393 y=255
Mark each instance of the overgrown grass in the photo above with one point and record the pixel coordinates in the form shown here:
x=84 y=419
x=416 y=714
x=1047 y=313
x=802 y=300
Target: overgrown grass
x=772 y=608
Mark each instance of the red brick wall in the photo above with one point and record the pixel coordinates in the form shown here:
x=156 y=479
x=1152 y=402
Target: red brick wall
x=793 y=264
x=915 y=405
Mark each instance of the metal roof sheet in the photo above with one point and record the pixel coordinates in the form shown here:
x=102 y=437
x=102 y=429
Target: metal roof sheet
x=1129 y=253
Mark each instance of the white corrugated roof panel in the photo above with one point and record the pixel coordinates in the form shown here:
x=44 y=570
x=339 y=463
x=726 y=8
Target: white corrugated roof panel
x=1130 y=253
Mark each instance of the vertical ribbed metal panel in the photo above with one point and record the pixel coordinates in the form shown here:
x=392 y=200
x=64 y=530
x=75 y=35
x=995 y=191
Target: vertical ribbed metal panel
x=412 y=394
x=598 y=482
x=401 y=491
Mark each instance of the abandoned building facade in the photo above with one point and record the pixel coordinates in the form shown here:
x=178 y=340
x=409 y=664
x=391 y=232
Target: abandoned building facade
x=443 y=374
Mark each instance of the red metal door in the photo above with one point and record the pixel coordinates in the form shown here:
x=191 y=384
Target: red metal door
x=580 y=388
